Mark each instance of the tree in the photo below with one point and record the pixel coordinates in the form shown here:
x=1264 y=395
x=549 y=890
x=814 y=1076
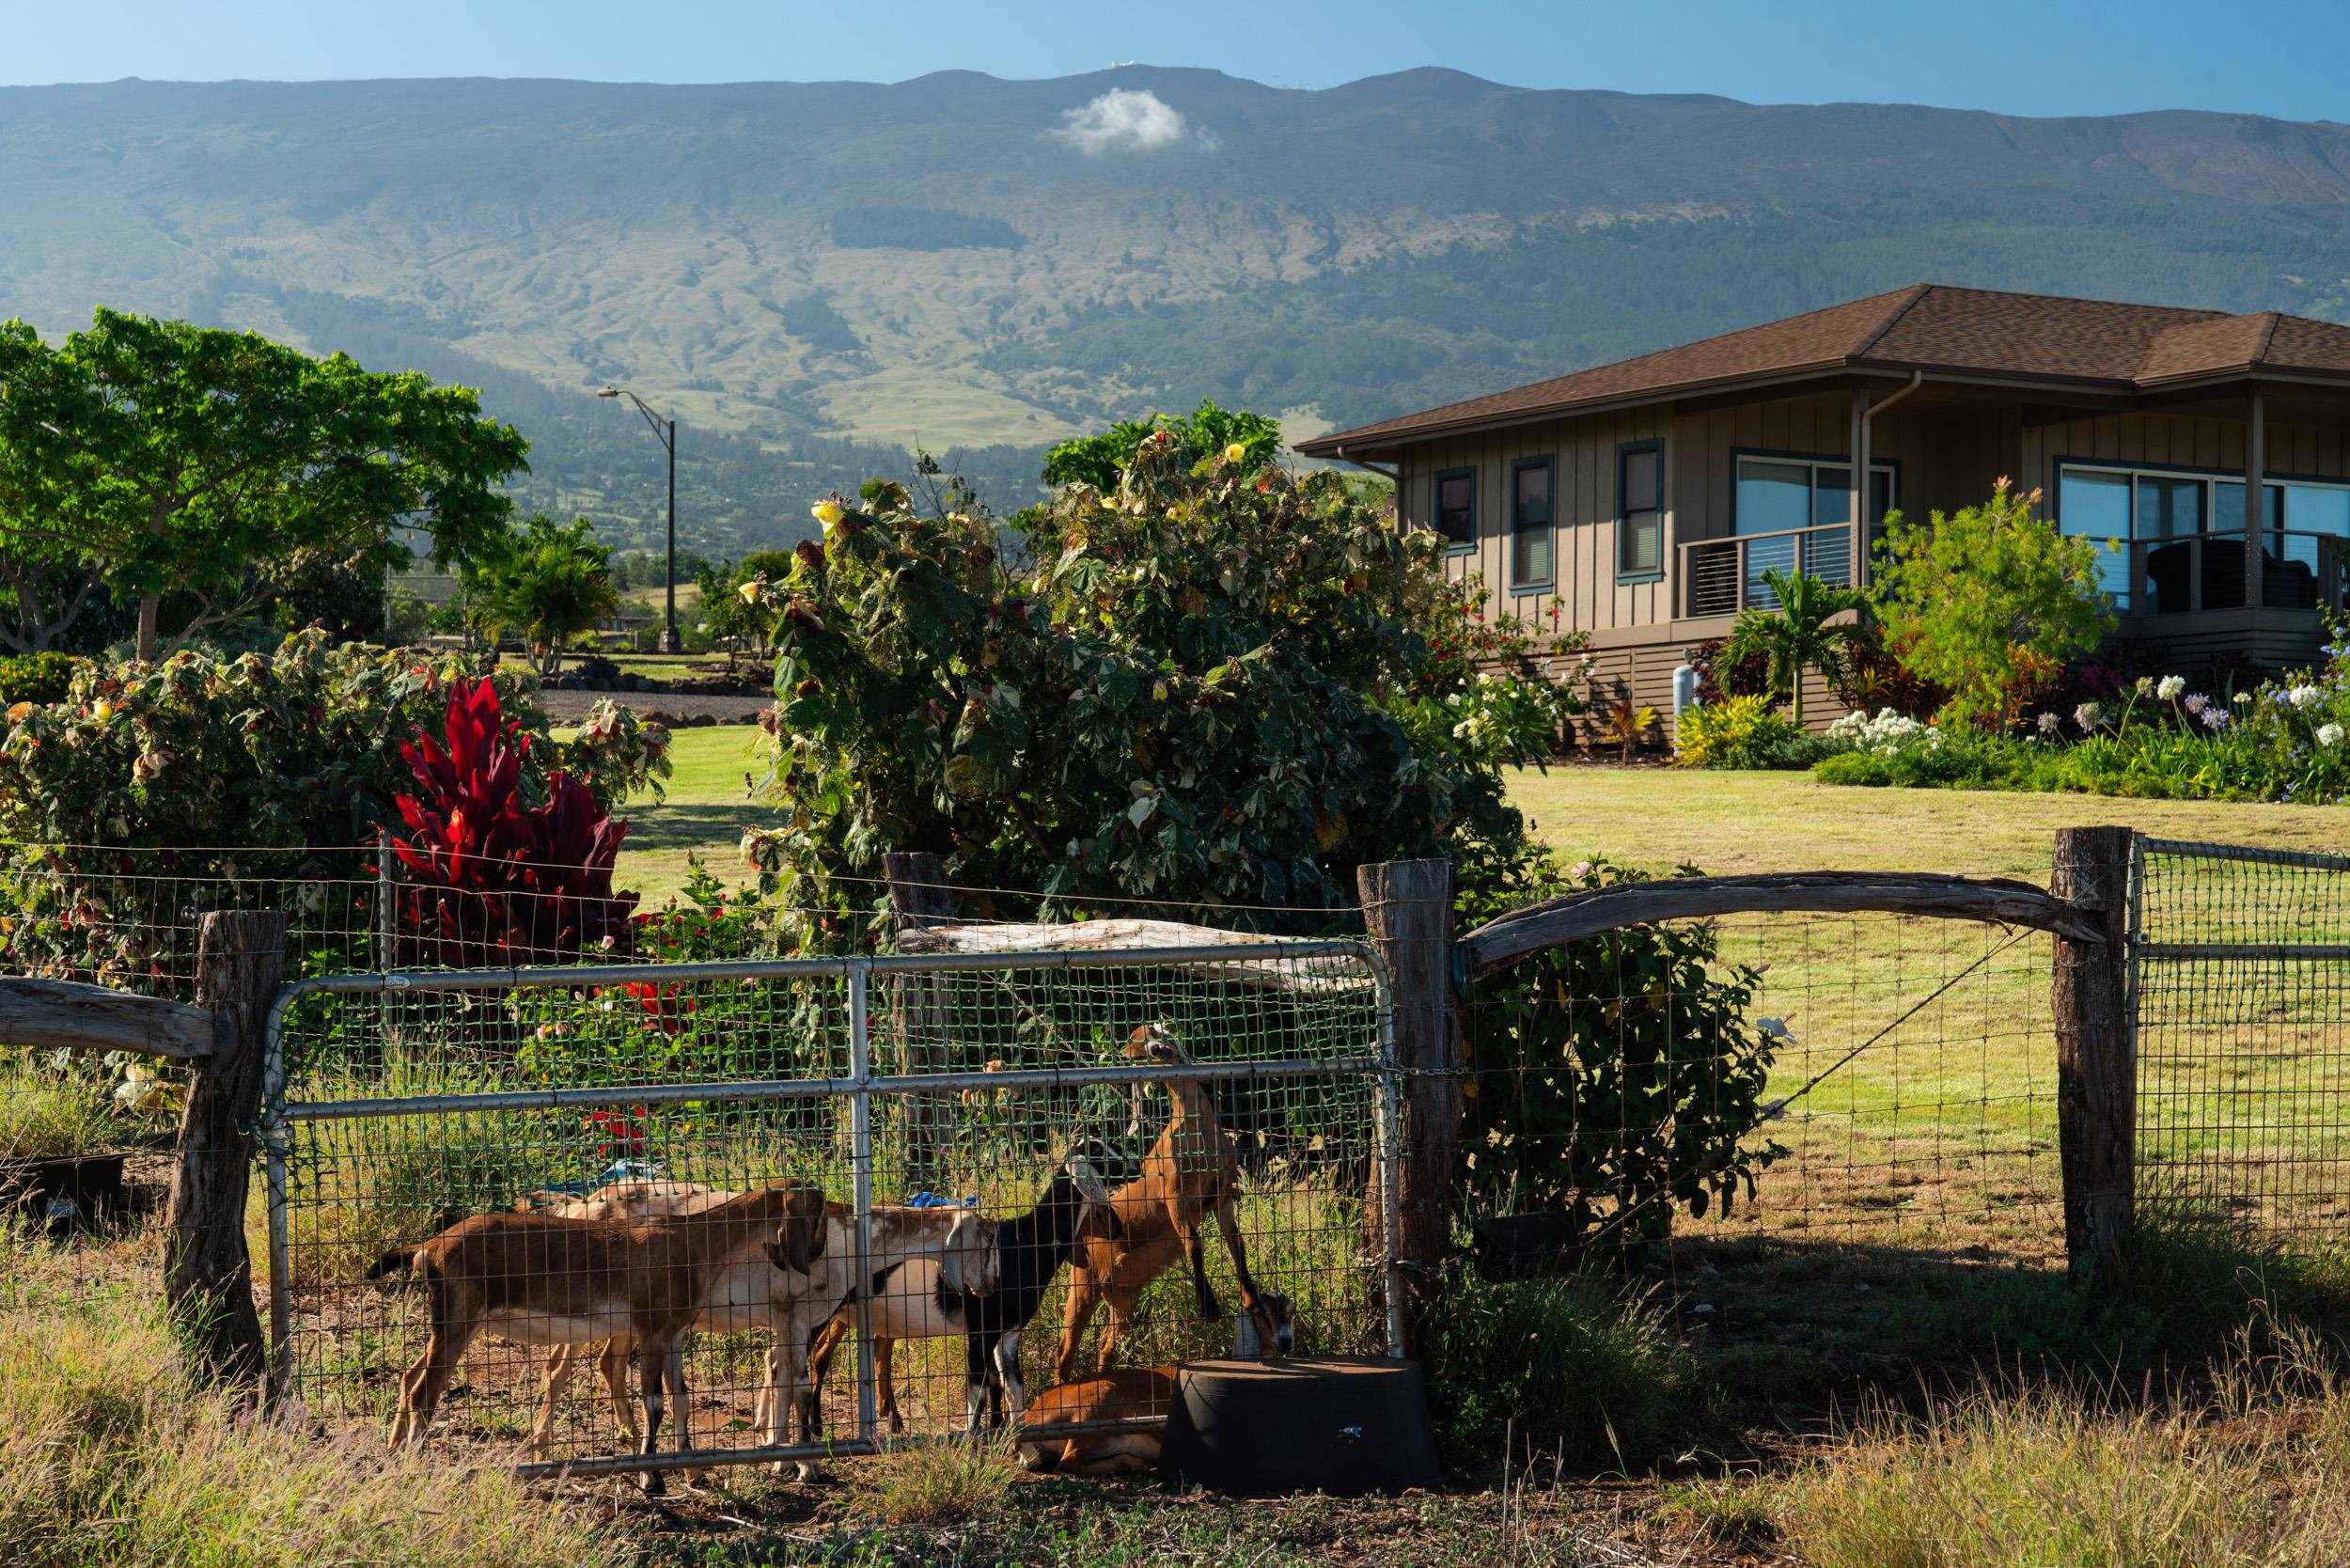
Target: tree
x=147 y=461
x=1983 y=600
x=556 y=584
x=1802 y=634
x=1206 y=434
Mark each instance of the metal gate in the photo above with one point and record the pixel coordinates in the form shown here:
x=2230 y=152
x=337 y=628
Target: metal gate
x=399 y=1103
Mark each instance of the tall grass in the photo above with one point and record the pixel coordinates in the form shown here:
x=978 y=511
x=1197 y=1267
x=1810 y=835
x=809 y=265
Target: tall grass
x=1585 y=1367
x=2256 y=1473
x=108 y=1454
x=44 y=1114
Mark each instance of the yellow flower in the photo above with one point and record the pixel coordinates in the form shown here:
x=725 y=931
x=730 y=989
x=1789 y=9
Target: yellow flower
x=751 y=591
x=829 y=513
x=103 y=712
x=1236 y=452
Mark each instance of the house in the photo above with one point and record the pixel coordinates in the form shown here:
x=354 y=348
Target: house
x=1644 y=499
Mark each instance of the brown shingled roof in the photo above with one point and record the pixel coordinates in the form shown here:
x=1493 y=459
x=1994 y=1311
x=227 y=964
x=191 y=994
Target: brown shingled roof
x=1927 y=327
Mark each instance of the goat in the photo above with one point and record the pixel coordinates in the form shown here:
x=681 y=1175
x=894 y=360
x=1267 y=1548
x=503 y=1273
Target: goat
x=1266 y=1331
x=553 y=1279
x=753 y=1292
x=913 y=1302
x=1189 y=1174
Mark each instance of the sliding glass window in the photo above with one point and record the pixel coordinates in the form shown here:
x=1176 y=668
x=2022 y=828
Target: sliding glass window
x=2179 y=537
x=1804 y=504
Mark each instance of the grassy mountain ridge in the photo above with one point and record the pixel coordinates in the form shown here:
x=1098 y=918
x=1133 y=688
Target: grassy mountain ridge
x=819 y=275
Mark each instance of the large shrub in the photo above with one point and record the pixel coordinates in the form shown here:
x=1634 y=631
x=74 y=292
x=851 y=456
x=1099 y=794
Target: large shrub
x=297 y=751
x=1218 y=686
x=1989 y=602
x=1617 y=1077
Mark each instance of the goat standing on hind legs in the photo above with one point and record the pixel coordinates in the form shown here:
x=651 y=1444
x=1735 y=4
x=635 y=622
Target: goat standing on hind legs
x=1191 y=1174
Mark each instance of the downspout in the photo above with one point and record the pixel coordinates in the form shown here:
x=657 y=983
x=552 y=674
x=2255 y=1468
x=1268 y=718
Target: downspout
x=1863 y=451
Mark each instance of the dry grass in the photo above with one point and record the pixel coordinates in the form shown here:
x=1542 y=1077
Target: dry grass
x=2256 y=1474
x=107 y=1454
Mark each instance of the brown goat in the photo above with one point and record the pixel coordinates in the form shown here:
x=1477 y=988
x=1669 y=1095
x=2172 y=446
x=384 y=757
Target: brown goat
x=1190 y=1174
x=1264 y=1332
x=554 y=1279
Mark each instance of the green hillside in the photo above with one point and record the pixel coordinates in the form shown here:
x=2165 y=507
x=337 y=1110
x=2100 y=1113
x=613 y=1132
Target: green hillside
x=819 y=276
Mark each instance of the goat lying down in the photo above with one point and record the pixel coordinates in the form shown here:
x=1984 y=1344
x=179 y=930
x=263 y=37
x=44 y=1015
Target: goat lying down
x=917 y=1300
x=957 y=1247
x=1266 y=1331
x=567 y=1280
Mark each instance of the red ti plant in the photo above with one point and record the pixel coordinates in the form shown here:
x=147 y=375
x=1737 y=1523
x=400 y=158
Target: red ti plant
x=490 y=878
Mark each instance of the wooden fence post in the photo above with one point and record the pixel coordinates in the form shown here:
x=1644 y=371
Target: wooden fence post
x=1408 y=910
x=2096 y=1055
x=919 y=898
x=207 y=1276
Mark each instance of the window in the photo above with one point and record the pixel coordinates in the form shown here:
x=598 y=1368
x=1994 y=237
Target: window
x=2181 y=536
x=1804 y=503
x=1641 y=512
x=1529 y=523
x=1456 y=506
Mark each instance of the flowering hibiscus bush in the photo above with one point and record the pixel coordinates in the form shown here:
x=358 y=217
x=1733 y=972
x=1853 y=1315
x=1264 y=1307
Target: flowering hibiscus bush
x=1219 y=685
x=296 y=751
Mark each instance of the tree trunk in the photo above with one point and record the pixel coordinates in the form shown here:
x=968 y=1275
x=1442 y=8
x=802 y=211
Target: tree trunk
x=151 y=621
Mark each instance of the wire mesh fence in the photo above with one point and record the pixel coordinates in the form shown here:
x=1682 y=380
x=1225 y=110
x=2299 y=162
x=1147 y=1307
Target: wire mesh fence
x=1006 y=1142
x=2243 y=1017
x=1779 y=1081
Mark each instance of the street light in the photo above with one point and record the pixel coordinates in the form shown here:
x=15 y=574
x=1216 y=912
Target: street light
x=666 y=432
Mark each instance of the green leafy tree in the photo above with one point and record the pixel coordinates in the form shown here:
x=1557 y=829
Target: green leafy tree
x=554 y=585
x=146 y=461
x=1802 y=634
x=1206 y=434
x=1987 y=600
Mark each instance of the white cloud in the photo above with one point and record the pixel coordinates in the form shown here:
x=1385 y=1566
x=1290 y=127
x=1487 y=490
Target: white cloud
x=1124 y=119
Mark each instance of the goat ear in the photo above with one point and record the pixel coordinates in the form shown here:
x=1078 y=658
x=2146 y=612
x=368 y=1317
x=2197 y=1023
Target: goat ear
x=800 y=1243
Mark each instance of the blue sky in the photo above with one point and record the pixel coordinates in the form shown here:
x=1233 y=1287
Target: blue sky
x=2281 y=57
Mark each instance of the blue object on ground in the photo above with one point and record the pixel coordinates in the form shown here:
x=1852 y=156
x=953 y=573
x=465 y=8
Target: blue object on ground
x=940 y=1200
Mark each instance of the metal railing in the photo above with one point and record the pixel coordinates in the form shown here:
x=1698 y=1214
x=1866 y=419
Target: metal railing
x=2299 y=570
x=396 y=1101
x=1724 y=576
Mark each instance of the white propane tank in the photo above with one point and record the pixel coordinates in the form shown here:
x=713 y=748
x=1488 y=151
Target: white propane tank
x=1684 y=687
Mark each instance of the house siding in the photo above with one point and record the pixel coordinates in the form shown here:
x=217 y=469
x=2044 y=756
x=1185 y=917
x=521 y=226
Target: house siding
x=1945 y=455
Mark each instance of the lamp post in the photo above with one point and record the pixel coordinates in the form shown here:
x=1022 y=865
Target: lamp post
x=664 y=430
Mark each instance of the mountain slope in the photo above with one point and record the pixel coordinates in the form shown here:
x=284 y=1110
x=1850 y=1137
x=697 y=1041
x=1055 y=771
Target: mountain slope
x=959 y=262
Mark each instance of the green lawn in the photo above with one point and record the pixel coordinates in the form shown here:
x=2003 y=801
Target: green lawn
x=709 y=806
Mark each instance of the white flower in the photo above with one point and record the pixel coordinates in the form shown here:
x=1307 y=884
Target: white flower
x=2244 y=699
x=2215 y=718
x=2088 y=716
x=2305 y=697
x=2197 y=703
x=2329 y=735
x=2051 y=726
x=2170 y=687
